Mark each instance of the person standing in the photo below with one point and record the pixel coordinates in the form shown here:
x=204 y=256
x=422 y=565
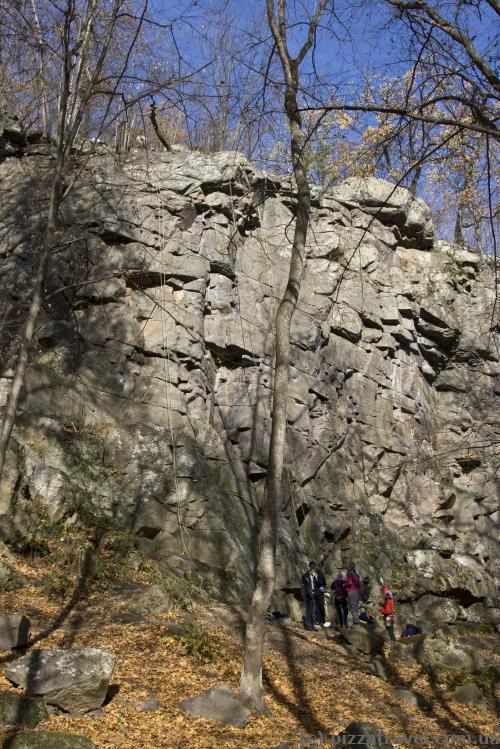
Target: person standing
x=309 y=589
x=320 y=595
x=353 y=584
x=340 y=598
x=387 y=610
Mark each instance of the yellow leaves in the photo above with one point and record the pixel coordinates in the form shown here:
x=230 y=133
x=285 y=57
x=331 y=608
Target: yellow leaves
x=308 y=682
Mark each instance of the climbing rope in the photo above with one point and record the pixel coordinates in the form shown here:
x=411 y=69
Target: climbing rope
x=271 y=284
x=161 y=303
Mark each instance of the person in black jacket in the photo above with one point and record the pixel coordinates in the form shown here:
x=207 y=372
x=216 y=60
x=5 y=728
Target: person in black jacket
x=320 y=595
x=309 y=588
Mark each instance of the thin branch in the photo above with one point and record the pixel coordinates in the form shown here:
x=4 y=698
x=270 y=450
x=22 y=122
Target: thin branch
x=493 y=132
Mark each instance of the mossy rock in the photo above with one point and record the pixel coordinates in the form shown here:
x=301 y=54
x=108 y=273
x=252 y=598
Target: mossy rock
x=16 y=710
x=47 y=740
x=9 y=578
x=468 y=694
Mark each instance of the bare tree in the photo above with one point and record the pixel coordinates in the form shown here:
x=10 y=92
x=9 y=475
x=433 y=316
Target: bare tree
x=82 y=55
x=251 y=686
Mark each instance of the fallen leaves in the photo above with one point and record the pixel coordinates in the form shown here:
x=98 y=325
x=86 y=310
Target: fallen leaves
x=317 y=689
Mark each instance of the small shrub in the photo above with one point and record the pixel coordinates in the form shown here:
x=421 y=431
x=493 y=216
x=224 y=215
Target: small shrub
x=96 y=429
x=198 y=644
x=56 y=586
x=432 y=288
x=32 y=548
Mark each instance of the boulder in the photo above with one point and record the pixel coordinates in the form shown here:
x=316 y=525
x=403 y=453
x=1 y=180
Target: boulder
x=47 y=740
x=363 y=734
x=368 y=640
x=14 y=631
x=437 y=654
x=12 y=135
x=219 y=703
x=377 y=666
x=410 y=698
x=74 y=680
x=16 y=710
x=9 y=578
x=468 y=694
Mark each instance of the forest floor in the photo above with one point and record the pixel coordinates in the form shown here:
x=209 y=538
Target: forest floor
x=312 y=683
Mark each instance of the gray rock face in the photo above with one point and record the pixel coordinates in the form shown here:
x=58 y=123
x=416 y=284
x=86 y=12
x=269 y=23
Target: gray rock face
x=14 y=631
x=21 y=711
x=148 y=403
x=391 y=205
x=12 y=137
x=220 y=704
x=74 y=680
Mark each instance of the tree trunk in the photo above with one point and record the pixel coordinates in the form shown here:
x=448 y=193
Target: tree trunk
x=251 y=686
x=69 y=120
x=35 y=305
x=41 y=76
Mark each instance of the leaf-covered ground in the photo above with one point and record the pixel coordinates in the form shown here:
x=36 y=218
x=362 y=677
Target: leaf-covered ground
x=312 y=684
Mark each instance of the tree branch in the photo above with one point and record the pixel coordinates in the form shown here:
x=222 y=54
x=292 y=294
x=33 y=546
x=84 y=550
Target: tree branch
x=433 y=17
x=447 y=121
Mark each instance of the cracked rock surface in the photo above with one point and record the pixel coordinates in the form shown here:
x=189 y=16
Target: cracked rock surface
x=148 y=397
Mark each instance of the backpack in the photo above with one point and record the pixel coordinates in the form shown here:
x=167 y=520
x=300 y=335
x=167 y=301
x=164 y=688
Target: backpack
x=410 y=630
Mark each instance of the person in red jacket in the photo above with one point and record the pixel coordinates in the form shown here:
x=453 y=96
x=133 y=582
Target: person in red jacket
x=387 y=610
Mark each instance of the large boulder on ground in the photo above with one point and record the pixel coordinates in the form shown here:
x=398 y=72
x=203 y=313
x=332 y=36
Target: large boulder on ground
x=367 y=640
x=14 y=631
x=364 y=734
x=47 y=740
x=16 y=710
x=220 y=704
x=447 y=656
x=410 y=698
x=468 y=694
x=74 y=680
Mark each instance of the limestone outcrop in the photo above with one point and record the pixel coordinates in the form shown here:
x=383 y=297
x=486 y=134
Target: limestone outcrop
x=148 y=397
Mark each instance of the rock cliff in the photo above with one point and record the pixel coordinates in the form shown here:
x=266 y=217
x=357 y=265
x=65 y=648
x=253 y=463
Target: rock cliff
x=148 y=398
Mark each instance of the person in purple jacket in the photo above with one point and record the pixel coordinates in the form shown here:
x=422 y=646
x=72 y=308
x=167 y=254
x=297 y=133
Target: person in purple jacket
x=340 y=598
x=353 y=584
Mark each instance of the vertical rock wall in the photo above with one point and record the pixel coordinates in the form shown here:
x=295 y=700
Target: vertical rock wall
x=148 y=397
